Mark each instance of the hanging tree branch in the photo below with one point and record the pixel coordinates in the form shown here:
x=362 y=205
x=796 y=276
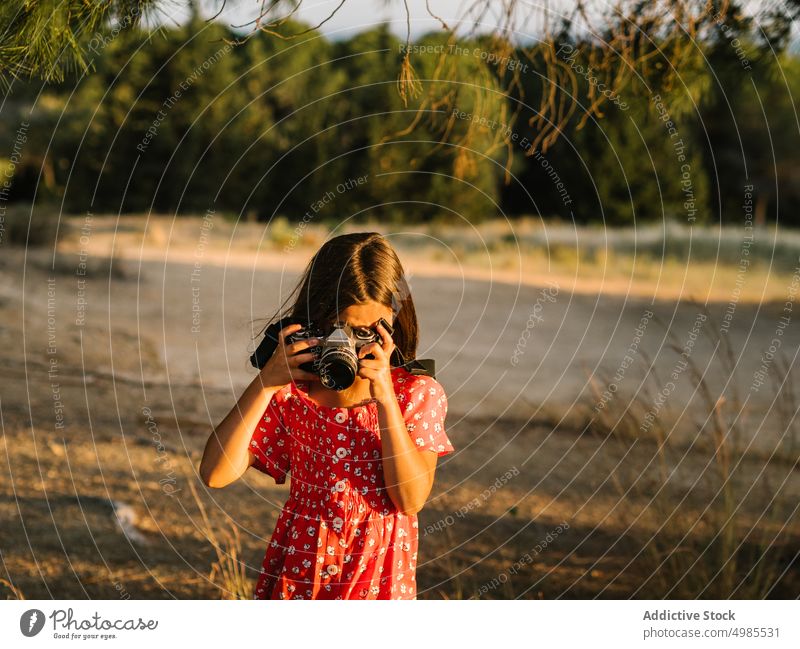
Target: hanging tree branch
x=51 y=40
x=656 y=43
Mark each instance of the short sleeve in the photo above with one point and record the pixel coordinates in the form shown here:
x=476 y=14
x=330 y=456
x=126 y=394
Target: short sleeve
x=270 y=440
x=424 y=406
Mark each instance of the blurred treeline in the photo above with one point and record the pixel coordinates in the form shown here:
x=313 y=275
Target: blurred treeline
x=273 y=126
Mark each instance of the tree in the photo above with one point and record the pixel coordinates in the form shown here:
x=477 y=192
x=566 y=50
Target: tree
x=655 y=40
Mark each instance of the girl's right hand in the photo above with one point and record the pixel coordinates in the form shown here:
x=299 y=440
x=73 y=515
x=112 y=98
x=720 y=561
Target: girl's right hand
x=284 y=365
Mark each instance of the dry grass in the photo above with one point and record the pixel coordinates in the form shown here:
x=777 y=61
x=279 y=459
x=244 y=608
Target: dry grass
x=13 y=591
x=228 y=572
x=727 y=533
x=617 y=547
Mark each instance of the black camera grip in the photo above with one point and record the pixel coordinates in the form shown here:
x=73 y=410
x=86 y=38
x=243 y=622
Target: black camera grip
x=269 y=344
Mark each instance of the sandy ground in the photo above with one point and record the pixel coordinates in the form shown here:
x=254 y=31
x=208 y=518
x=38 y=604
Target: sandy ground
x=100 y=507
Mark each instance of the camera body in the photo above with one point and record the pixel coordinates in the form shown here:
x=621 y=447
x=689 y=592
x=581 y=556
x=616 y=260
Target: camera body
x=336 y=355
x=336 y=360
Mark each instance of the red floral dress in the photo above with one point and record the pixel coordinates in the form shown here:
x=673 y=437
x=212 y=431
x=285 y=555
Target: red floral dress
x=339 y=535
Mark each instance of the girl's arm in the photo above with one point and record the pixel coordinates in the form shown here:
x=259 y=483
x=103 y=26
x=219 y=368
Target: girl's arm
x=227 y=454
x=407 y=471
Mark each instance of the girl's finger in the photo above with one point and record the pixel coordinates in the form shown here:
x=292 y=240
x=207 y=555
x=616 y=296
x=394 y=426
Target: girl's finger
x=367 y=373
x=290 y=329
x=299 y=359
x=300 y=345
x=372 y=364
x=371 y=348
x=302 y=375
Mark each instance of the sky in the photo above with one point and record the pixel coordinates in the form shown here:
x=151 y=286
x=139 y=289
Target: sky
x=354 y=15
x=358 y=15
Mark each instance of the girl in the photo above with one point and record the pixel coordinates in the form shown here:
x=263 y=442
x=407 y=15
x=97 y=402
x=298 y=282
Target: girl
x=362 y=460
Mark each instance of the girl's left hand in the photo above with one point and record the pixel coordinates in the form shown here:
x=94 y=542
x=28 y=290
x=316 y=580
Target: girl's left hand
x=378 y=370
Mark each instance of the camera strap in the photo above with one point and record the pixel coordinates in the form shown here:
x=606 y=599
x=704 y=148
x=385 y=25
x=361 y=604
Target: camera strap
x=426 y=366
x=416 y=366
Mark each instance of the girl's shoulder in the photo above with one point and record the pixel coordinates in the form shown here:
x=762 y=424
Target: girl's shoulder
x=283 y=395
x=407 y=386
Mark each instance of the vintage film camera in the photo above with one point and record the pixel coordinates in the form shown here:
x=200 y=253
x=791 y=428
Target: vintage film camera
x=336 y=355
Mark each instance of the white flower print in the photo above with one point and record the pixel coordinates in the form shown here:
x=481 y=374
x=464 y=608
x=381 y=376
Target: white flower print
x=379 y=547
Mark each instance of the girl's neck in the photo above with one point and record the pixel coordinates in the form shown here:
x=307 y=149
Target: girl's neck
x=355 y=395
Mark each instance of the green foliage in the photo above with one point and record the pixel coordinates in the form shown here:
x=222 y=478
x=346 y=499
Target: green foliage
x=50 y=39
x=182 y=121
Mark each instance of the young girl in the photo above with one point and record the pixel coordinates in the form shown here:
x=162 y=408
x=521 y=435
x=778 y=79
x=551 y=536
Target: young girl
x=362 y=460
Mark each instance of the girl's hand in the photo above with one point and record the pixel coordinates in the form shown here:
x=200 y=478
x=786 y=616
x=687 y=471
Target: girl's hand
x=284 y=365
x=378 y=370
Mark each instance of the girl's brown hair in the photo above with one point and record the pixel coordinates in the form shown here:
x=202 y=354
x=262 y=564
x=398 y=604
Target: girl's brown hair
x=353 y=269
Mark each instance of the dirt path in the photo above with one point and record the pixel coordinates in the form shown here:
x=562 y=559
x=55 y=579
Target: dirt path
x=138 y=375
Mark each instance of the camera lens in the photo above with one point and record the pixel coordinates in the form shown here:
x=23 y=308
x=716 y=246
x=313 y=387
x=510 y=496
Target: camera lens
x=338 y=368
